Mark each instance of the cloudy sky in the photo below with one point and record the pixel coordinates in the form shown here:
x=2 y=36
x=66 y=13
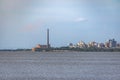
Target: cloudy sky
x=23 y=23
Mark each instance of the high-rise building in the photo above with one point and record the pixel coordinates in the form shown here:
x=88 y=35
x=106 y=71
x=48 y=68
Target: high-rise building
x=111 y=43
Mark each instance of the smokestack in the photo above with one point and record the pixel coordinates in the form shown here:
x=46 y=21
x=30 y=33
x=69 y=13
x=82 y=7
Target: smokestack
x=48 y=45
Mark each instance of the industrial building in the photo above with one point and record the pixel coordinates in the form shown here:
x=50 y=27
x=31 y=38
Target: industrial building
x=40 y=47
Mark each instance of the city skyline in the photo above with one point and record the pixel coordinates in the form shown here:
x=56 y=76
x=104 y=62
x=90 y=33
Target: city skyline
x=111 y=43
x=23 y=23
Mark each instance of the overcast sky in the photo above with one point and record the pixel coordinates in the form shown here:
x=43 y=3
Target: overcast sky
x=23 y=23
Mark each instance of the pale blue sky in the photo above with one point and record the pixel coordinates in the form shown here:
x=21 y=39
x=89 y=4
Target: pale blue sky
x=23 y=23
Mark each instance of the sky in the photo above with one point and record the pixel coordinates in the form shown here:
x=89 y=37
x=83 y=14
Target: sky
x=23 y=23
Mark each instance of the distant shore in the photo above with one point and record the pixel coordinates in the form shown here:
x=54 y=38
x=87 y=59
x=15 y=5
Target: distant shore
x=66 y=49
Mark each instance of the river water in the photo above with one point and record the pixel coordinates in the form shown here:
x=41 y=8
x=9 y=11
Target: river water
x=21 y=65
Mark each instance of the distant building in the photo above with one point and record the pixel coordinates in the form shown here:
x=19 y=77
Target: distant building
x=39 y=47
x=111 y=43
x=118 y=45
x=71 y=45
x=107 y=44
x=93 y=44
x=81 y=44
x=101 y=45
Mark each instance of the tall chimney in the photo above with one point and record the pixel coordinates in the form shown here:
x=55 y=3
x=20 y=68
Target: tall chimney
x=48 y=45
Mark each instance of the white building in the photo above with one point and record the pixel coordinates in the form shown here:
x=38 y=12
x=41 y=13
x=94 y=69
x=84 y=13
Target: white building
x=81 y=44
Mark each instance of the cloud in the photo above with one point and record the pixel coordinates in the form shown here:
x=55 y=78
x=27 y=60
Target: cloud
x=80 y=19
